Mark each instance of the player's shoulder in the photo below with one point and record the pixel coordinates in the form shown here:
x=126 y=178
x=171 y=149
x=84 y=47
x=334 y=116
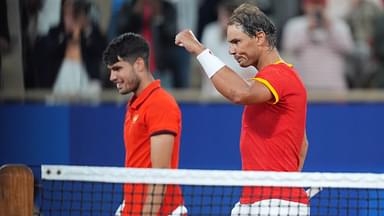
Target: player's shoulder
x=162 y=98
x=280 y=71
x=274 y=68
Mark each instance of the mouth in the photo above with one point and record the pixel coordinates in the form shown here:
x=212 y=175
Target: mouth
x=119 y=85
x=238 y=59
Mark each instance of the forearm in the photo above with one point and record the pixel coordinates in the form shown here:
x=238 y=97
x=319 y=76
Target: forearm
x=161 y=154
x=154 y=199
x=225 y=80
x=230 y=85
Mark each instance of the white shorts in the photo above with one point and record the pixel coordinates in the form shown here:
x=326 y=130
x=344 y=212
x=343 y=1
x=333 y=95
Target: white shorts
x=179 y=211
x=271 y=207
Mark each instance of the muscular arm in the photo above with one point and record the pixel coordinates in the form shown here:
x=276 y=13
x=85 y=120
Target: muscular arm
x=161 y=153
x=227 y=81
x=303 y=151
x=237 y=90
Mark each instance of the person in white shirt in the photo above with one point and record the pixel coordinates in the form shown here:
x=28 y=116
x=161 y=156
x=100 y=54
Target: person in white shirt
x=318 y=45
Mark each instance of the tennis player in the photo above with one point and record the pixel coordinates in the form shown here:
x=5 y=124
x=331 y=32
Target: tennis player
x=273 y=134
x=152 y=126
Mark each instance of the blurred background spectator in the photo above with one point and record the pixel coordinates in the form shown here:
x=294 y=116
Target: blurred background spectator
x=360 y=18
x=377 y=80
x=4 y=32
x=29 y=28
x=207 y=14
x=214 y=37
x=68 y=58
x=342 y=48
x=318 y=45
x=156 y=20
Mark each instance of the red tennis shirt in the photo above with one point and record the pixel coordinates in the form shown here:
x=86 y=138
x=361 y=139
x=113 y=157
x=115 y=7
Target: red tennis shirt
x=153 y=112
x=272 y=133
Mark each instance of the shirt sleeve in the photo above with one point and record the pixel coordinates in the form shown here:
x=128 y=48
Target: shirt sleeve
x=163 y=117
x=276 y=81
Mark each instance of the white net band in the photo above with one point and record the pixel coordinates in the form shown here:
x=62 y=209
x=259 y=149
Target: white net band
x=212 y=177
x=86 y=190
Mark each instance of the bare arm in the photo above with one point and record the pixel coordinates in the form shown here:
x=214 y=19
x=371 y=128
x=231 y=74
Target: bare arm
x=161 y=153
x=226 y=81
x=235 y=89
x=303 y=151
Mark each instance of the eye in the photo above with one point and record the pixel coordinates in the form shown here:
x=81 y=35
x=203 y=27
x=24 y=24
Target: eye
x=116 y=68
x=234 y=41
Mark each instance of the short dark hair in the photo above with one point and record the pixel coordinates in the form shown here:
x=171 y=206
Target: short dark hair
x=252 y=20
x=128 y=46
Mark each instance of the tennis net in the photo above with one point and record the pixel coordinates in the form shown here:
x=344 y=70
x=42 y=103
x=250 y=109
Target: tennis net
x=85 y=190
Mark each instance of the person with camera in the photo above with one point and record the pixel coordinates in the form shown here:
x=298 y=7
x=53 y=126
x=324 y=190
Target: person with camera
x=318 y=44
x=68 y=58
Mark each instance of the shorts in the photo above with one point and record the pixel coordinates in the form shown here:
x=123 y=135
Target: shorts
x=271 y=207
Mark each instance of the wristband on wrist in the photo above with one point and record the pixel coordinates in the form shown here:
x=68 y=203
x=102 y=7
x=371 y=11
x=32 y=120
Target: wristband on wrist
x=210 y=63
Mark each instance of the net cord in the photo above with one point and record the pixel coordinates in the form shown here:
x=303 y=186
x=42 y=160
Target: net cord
x=211 y=177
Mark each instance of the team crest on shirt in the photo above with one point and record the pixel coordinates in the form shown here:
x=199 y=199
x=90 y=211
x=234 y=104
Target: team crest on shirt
x=135 y=117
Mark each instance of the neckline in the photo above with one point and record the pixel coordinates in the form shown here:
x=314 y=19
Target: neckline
x=280 y=61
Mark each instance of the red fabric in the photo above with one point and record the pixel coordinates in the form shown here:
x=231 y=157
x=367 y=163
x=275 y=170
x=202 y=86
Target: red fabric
x=272 y=134
x=154 y=110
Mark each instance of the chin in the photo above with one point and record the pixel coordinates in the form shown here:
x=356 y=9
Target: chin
x=244 y=64
x=124 y=91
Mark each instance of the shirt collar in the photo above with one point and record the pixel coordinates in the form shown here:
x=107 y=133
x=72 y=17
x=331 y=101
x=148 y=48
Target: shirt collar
x=283 y=62
x=136 y=101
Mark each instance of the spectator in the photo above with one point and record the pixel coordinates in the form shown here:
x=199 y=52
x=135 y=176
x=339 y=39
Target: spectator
x=70 y=55
x=360 y=18
x=156 y=20
x=215 y=38
x=4 y=31
x=318 y=45
x=378 y=50
x=29 y=22
x=207 y=14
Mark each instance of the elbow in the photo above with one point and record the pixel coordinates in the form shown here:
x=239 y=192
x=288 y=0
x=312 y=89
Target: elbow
x=239 y=97
x=237 y=100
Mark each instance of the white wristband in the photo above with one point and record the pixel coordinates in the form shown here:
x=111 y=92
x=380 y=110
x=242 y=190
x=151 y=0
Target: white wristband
x=210 y=63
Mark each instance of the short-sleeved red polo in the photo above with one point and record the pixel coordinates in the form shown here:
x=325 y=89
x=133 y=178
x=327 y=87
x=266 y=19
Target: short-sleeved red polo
x=153 y=112
x=272 y=133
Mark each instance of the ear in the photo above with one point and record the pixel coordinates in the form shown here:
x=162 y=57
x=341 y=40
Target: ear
x=261 y=37
x=139 y=64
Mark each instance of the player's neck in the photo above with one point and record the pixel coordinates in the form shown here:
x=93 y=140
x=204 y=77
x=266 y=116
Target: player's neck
x=270 y=56
x=146 y=80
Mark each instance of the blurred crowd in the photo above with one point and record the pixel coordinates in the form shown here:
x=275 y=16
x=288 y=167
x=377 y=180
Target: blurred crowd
x=335 y=44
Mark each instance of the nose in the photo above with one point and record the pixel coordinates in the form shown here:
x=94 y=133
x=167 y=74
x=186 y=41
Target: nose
x=231 y=50
x=112 y=76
